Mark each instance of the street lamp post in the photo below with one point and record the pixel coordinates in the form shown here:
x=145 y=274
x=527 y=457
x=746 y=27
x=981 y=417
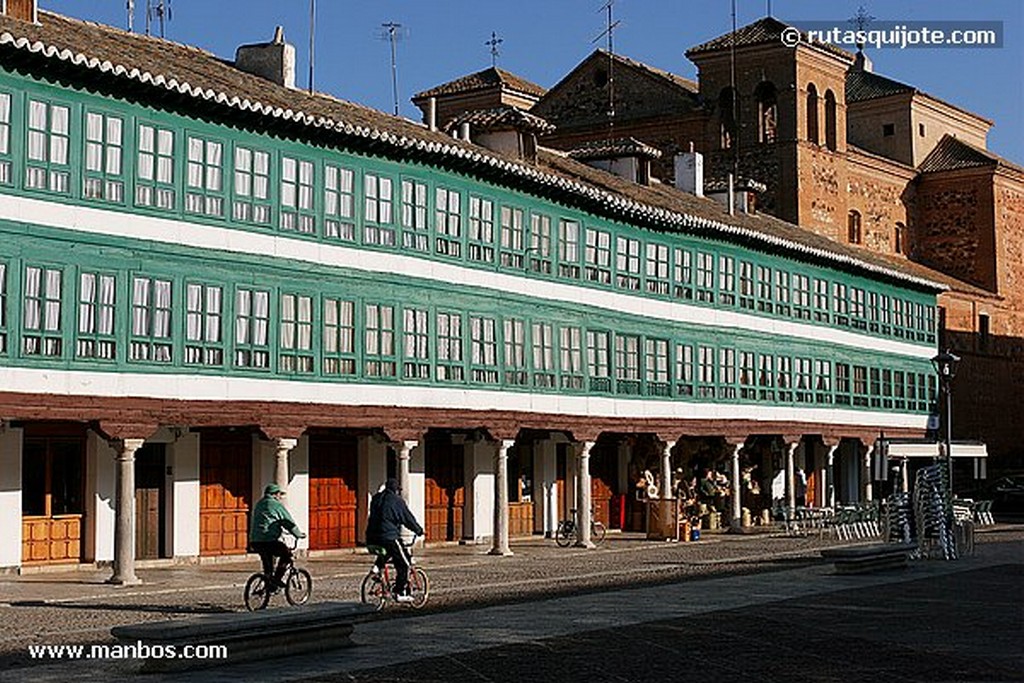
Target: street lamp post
x=946 y=364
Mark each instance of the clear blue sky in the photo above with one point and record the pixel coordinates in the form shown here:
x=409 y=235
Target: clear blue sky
x=545 y=39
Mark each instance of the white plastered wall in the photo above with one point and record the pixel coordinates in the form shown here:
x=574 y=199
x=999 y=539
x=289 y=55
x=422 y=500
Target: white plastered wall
x=417 y=483
x=371 y=473
x=10 y=496
x=100 y=484
x=478 y=512
x=264 y=469
x=183 y=485
x=545 y=505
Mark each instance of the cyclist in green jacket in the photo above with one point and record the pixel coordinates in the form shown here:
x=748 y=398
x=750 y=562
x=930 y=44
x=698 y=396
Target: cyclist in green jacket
x=270 y=519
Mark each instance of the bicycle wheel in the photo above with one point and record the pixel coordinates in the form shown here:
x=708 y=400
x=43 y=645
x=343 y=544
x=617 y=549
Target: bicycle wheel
x=299 y=587
x=373 y=592
x=419 y=587
x=565 y=534
x=256 y=594
x=597 y=532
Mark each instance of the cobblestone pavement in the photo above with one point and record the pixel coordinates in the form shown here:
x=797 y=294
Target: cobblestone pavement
x=77 y=607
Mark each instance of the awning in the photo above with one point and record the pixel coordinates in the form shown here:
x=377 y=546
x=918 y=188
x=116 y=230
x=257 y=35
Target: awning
x=907 y=448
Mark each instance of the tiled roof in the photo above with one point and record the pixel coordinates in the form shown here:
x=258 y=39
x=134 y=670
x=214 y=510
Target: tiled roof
x=501 y=118
x=686 y=84
x=174 y=75
x=953 y=153
x=488 y=78
x=619 y=147
x=866 y=85
x=766 y=30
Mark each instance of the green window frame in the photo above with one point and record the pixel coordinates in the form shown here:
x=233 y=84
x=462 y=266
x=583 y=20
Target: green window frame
x=3 y=309
x=658 y=269
x=705 y=277
x=295 y=334
x=840 y=303
x=823 y=380
x=97 y=309
x=339 y=203
x=783 y=293
x=784 y=378
x=377 y=210
x=204 y=324
x=251 y=200
x=627 y=263
x=803 y=378
x=379 y=353
x=6 y=177
x=764 y=289
x=152 y=316
x=821 y=307
x=569 y=249
x=727 y=280
x=415 y=229
x=513 y=237
x=481 y=230
x=887 y=386
x=801 y=296
x=598 y=256
x=656 y=367
x=858 y=309
x=682 y=274
x=899 y=386
x=540 y=243
x=48 y=152
x=483 y=359
x=627 y=364
x=416 y=343
x=103 y=177
x=747 y=285
x=860 y=385
x=252 y=328
x=544 y=375
x=885 y=313
x=685 y=375
x=599 y=367
x=727 y=373
x=450 y=357
x=204 y=180
x=748 y=375
x=448 y=222
x=766 y=377
x=844 y=387
x=42 y=329
x=297 y=204
x=154 y=169
x=706 y=371
x=514 y=339
x=339 y=337
x=570 y=348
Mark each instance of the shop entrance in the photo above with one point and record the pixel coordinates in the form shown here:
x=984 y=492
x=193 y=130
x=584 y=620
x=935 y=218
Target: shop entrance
x=52 y=493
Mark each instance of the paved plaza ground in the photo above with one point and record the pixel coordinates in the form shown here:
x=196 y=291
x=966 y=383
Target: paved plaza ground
x=752 y=608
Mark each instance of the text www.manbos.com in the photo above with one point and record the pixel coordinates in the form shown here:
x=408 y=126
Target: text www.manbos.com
x=138 y=650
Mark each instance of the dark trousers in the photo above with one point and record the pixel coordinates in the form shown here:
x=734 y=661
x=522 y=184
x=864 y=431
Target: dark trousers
x=399 y=557
x=268 y=550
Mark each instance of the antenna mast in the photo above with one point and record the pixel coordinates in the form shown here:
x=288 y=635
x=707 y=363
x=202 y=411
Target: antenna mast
x=392 y=36
x=494 y=42
x=161 y=9
x=312 y=41
x=734 y=95
x=609 y=33
x=131 y=16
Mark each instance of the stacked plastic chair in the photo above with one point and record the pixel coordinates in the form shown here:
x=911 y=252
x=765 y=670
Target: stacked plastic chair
x=898 y=517
x=933 y=514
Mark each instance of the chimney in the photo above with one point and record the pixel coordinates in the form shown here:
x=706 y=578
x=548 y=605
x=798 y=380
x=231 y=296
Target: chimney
x=432 y=113
x=690 y=172
x=861 y=62
x=274 y=61
x=25 y=10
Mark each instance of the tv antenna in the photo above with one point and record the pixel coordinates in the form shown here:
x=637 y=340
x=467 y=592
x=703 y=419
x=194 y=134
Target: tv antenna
x=131 y=15
x=493 y=43
x=161 y=9
x=312 y=40
x=609 y=33
x=393 y=33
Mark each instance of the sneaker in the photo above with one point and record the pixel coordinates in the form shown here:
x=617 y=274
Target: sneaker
x=404 y=598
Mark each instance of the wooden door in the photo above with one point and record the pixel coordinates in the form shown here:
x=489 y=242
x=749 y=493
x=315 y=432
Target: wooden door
x=225 y=491
x=149 y=502
x=445 y=489
x=333 y=464
x=604 y=477
x=565 y=497
x=53 y=496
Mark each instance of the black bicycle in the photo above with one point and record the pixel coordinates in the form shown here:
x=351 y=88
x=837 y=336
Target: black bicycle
x=565 y=535
x=298 y=586
x=379 y=585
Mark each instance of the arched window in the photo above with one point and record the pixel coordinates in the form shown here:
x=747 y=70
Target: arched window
x=830 y=120
x=812 y=113
x=899 y=235
x=853 y=235
x=726 y=117
x=767 y=112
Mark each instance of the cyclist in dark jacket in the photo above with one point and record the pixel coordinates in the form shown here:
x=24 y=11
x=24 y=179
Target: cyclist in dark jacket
x=388 y=514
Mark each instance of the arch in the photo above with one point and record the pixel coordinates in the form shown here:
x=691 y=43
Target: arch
x=767 y=112
x=899 y=238
x=727 y=106
x=830 y=120
x=853 y=229
x=812 y=113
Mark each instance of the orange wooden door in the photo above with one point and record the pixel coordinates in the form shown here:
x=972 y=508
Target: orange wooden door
x=149 y=499
x=604 y=477
x=332 y=491
x=444 y=490
x=225 y=492
x=53 y=496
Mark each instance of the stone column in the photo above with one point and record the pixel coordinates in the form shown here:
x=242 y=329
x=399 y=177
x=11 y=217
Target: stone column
x=791 y=477
x=583 y=514
x=500 y=543
x=830 y=461
x=868 y=488
x=404 y=449
x=282 y=447
x=124 y=513
x=666 y=471
x=737 y=488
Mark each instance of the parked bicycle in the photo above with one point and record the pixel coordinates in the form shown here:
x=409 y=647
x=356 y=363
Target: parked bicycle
x=379 y=585
x=298 y=586
x=565 y=535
